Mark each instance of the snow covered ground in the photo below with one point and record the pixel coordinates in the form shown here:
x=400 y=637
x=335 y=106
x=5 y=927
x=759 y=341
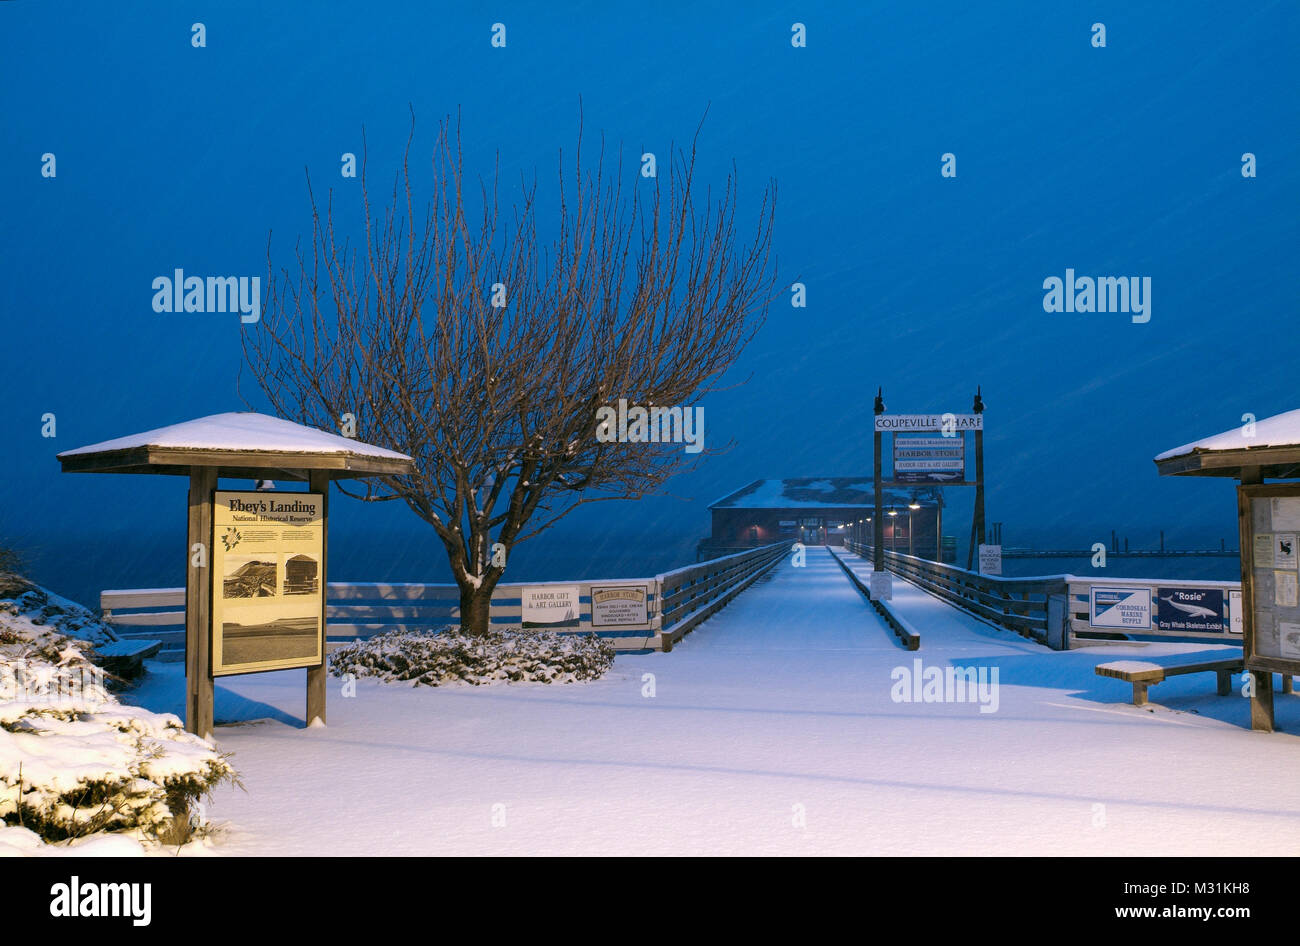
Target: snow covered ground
x=771 y=730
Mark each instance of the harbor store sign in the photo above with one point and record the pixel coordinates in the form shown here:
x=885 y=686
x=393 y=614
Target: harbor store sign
x=268 y=606
x=550 y=605
x=619 y=605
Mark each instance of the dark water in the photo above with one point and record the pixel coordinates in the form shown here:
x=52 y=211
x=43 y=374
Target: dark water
x=1167 y=567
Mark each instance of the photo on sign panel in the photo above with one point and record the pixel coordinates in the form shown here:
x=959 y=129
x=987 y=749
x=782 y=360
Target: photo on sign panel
x=251 y=635
x=249 y=576
x=301 y=575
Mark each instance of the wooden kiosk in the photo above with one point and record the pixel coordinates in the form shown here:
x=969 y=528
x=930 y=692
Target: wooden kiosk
x=1268 y=516
x=262 y=576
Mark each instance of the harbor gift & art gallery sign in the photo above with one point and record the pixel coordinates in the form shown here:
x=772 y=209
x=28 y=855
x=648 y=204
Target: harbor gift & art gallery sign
x=550 y=606
x=268 y=606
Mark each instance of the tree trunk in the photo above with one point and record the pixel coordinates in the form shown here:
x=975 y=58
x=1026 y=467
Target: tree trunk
x=475 y=604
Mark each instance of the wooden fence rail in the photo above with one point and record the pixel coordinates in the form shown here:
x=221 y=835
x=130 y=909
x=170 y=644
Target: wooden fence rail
x=676 y=602
x=1032 y=607
x=1056 y=609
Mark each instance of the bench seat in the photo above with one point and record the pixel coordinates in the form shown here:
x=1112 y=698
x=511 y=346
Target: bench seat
x=1143 y=674
x=126 y=658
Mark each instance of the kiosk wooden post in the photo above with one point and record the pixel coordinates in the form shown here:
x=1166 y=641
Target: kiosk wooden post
x=317 y=677
x=198 y=603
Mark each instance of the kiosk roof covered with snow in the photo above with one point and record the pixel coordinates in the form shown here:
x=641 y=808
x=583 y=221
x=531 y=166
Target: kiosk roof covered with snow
x=1272 y=445
x=241 y=444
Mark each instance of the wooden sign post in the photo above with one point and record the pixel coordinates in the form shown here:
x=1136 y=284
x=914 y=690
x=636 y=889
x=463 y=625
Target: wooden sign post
x=949 y=425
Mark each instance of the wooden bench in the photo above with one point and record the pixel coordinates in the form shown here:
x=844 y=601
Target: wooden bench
x=126 y=658
x=1142 y=674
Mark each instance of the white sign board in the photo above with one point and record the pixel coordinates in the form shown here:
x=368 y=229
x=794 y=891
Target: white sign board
x=619 y=605
x=1120 y=608
x=905 y=423
x=551 y=604
x=929 y=453
x=1234 y=612
x=990 y=559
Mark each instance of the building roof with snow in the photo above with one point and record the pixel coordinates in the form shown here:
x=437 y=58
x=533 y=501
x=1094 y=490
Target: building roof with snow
x=819 y=492
x=1271 y=444
x=241 y=444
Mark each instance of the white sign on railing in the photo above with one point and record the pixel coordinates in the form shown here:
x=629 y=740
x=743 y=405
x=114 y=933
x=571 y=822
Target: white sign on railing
x=990 y=559
x=618 y=605
x=550 y=604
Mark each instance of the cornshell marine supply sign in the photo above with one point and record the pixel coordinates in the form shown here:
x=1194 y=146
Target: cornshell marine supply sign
x=1120 y=608
x=267 y=595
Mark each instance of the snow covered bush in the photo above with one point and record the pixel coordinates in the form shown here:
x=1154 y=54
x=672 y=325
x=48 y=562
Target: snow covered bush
x=34 y=621
x=450 y=657
x=70 y=768
x=74 y=760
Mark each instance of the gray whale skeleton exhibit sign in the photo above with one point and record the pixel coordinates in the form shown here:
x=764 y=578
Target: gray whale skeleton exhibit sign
x=255 y=579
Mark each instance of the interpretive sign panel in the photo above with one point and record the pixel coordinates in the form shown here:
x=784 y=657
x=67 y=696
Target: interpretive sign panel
x=267 y=594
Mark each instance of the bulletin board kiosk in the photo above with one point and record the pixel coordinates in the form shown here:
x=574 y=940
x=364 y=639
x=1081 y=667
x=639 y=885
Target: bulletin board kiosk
x=1268 y=517
x=255 y=592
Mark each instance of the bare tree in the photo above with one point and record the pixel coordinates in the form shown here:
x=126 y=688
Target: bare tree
x=484 y=346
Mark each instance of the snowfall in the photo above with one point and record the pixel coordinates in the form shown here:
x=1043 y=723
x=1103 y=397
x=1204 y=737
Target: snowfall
x=773 y=728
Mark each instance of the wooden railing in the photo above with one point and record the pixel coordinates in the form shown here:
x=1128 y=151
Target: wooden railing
x=1055 y=609
x=902 y=628
x=676 y=602
x=690 y=595
x=1032 y=607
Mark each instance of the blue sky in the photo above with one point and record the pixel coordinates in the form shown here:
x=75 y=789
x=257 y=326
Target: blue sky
x=1116 y=161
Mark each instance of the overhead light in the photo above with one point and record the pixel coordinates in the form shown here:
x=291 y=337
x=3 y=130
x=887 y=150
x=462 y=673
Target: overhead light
x=914 y=506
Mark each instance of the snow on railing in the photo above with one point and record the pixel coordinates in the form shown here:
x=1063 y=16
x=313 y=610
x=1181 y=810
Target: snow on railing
x=1032 y=607
x=691 y=594
x=1054 y=608
x=676 y=602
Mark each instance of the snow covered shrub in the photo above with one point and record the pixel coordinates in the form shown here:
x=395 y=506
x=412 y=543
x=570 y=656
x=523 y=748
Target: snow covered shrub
x=437 y=659
x=31 y=617
x=71 y=768
x=73 y=759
